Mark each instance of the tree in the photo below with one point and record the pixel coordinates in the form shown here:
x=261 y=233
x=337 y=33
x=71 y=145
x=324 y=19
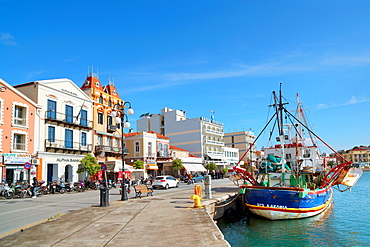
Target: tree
x=139 y=164
x=177 y=165
x=211 y=167
x=224 y=170
x=88 y=164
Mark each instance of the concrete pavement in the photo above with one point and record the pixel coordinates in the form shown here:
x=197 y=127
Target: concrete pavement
x=150 y=221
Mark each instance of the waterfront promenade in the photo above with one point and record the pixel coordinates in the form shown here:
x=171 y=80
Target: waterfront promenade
x=167 y=220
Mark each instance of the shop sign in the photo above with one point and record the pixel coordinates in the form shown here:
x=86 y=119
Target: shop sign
x=68 y=160
x=16 y=158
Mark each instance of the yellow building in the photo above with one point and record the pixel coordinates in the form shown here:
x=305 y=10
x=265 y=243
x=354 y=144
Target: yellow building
x=357 y=155
x=150 y=147
x=107 y=146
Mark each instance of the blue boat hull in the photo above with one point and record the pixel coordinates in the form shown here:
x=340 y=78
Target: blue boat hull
x=287 y=203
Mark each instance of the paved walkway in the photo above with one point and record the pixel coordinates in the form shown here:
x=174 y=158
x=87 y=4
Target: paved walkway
x=150 y=221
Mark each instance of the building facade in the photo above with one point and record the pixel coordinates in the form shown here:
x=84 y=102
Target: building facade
x=64 y=130
x=150 y=147
x=107 y=134
x=18 y=119
x=359 y=155
x=201 y=136
x=242 y=140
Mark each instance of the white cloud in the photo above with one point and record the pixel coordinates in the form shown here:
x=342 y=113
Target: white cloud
x=7 y=39
x=353 y=100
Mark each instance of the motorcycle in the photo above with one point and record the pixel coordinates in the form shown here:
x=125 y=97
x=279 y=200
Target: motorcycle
x=58 y=188
x=18 y=191
x=79 y=186
x=6 y=192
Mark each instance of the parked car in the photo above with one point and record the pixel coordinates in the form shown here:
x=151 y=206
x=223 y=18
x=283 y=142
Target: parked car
x=198 y=178
x=165 y=182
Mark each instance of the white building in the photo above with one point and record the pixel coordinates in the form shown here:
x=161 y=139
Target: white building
x=64 y=134
x=242 y=140
x=200 y=136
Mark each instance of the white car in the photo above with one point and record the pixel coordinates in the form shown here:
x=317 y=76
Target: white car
x=165 y=181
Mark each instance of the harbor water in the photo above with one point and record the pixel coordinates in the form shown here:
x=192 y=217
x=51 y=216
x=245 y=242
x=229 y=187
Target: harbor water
x=345 y=223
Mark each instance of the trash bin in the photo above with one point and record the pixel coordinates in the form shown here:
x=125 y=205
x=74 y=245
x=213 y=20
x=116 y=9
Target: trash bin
x=104 y=196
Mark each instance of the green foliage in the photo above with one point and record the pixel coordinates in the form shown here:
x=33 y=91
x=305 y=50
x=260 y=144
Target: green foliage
x=224 y=170
x=331 y=163
x=139 y=164
x=88 y=164
x=211 y=167
x=177 y=164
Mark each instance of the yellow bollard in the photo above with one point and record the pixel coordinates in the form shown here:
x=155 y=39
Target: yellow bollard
x=196 y=199
x=198 y=190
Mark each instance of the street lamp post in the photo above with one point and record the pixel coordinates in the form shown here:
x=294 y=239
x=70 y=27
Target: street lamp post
x=118 y=114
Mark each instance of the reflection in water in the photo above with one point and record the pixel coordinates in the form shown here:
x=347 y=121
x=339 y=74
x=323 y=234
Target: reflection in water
x=345 y=223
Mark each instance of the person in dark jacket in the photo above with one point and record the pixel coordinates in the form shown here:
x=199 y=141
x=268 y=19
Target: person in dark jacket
x=35 y=187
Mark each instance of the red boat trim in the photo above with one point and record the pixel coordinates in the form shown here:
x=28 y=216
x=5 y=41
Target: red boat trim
x=292 y=210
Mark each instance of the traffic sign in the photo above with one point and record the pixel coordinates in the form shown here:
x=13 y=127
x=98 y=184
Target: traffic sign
x=104 y=167
x=27 y=165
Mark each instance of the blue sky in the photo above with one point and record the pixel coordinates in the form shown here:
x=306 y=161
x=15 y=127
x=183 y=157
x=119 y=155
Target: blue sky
x=227 y=56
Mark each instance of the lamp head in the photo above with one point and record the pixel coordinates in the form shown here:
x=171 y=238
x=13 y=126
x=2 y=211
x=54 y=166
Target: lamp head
x=130 y=111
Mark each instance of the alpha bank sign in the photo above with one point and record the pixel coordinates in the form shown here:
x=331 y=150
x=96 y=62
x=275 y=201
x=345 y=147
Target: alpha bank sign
x=16 y=158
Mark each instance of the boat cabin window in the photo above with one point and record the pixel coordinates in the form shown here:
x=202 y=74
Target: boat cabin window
x=306 y=154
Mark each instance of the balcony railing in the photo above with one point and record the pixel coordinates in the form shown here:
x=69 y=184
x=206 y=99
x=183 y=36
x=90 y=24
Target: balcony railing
x=110 y=149
x=59 y=117
x=111 y=128
x=214 y=132
x=215 y=143
x=67 y=145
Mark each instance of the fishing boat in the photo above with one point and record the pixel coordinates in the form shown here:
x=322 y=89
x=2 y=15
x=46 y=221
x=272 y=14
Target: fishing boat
x=293 y=180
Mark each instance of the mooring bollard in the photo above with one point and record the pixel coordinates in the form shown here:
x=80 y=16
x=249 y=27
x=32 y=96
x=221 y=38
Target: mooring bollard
x=207 y=185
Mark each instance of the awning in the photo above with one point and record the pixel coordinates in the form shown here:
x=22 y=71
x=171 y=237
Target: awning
x=152 y=167
x=189 y=167
x=194 y=167
x=216 y=156
x=200 y=167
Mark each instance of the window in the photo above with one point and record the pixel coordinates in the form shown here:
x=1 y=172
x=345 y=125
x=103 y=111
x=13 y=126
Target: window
x=137 y=147
x=68 y=141
x=51 y=109
x=100 y=139
x=20 y=115
x=83 y=120
x=109 y=103
x=110 y=120
x=83 y=139
x=165 y=152
x=101 y=99
x=109 y=141
x=51 y=134
x=100 y=118
x=69 y=114
x=19 y=141
x=149 y=149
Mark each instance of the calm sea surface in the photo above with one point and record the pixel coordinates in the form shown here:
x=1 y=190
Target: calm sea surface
x=346 y=223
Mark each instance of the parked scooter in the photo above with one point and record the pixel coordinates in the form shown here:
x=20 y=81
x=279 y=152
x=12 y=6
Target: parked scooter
x=18 y=191
x=58 y=188
x=79 y=186
x=5 y=191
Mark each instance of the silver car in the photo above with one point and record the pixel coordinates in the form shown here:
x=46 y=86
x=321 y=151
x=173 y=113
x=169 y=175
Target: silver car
x=165 y=181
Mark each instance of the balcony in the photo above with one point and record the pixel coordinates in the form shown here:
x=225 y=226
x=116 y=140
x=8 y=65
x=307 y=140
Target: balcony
x=110 y=149
x=67 y=145
x=214 y=132
x=215 y=143
x=67 y=120
x=111 y=128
